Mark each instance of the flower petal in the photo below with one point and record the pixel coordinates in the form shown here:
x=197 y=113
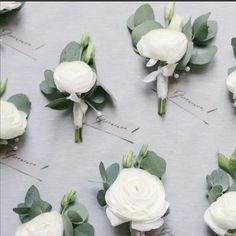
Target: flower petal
x=151 y=77
x=151 y=62
x=115 y=220
x=148 y=225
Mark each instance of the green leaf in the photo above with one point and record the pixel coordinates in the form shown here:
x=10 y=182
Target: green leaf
x=3 y=142
x=214 y=193
x=68 y=227
x=21 y=210
x=185 y=60
x=200 y=27
x=112 y=172
x=228 y=164
x=212 y=29
x=142 y=29
x=70 y=53
x=130 y=22
x=48 y=74
x=101 y=198
x=84 y=229
x=44 y=87
x=99 y=95
x=233 y=187
x=60 y=104
x=22 y=102
x=103 y=172
x=187 y=30
x=232 y=69
x=32 y=195
x=74 y=217
x=3 y=85
x=79 y=209
x=143 y=13
x=231 y=232
x=203 y=55
x=232 y=166
x=154 y=164
x=218 y=178
x=233 y=44
x=39 y=207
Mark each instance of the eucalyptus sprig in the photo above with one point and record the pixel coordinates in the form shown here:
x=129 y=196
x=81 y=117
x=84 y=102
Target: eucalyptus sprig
x=83 y=91
x=74 y=215
x=150 y=39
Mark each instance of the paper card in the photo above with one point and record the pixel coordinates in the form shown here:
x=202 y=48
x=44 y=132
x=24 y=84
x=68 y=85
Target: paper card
x=119 y=128
x=33 y=168
x=22 y=44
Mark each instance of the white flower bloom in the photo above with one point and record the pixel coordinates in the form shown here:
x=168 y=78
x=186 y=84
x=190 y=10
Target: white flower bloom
x=221 y=215
x=46 y=224
x=138 y=197
x=176 y=23
x=5 y=5
x=13 y=122
x=74 y=77
x=231 y=83
x=164 y=45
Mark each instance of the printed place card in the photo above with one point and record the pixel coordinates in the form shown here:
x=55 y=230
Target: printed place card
x=33 y=168
x=119 y=128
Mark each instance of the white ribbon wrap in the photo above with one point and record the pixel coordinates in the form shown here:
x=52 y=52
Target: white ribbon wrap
x=79 y=110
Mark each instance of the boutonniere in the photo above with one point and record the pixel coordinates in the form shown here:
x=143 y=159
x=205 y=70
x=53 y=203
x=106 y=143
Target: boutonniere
x=74 y=84
x=221 y=215
x=172 y=47
x=6 y=6
x=231 y=80
x=135 y=193
x=14 y=113
x=38 y=218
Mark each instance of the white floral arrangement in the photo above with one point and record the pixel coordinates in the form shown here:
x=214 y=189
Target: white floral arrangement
x=135 y=192
x=14 y=113
x=6 y=6
x=74 y=84
x=231 y=79
x=173 y=47
x=221 y=215
x=38 y=218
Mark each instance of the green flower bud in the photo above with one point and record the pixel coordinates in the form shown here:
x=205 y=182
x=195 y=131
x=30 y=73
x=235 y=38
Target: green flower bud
x=128 y=159
x=84 y=40
x=169 y=12
x=176 y=23
x=67 y=199
x=3 y=85
x=89 y=53
x=143 y=150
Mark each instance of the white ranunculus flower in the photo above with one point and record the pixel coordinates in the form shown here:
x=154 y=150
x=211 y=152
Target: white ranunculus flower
x=46 y=224
x=74 y=77
x=164 y=45
x=231 y=83
x=13 y=122
x=138 y=197
x=5 y=5
x=221 y=215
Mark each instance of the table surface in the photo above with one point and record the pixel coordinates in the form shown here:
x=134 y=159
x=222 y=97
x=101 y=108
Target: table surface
x=189 y=146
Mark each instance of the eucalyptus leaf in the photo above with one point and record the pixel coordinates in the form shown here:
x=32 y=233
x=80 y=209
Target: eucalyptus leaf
x=143 y=13
x=112 y=172
x=130 y=22
x=232 y=69
x=39 y=207
x=231 y=232
x=142 y=29
x=233 y=187
x=212 y=29
x=187 y=30
x=84 y=229
x=203 y=55
x=21 y=210
x=74 y=217
x=186 y=58
x=214 y=193
x=68 y=227
x=60 y=104
x=99 y=95
x=200 y=27
x=44 y=87
x=103 y=172
x=79 y=209
x=218 y=178
x=70 y=53
x=101 y=198
x=22 y=102
x=233 y=44
x=48 y=74
x=3 y=85
x=154 y=164
x=32 y=195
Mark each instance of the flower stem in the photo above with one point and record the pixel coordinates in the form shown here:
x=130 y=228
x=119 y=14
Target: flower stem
x=78 y=135
x=161 y=106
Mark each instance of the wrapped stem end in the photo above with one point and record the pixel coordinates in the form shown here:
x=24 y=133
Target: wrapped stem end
x=78 y=135
x=161 y=106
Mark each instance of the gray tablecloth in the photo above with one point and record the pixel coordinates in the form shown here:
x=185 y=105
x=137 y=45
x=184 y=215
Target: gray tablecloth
x=189 y=146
